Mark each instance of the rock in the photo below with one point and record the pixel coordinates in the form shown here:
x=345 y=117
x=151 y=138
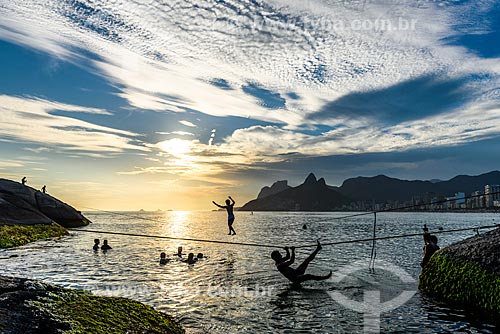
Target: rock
x=312 y=195
x=277 y=187
x=21 y=204
x=467 y=273
x=30 y=306
x=14 y=210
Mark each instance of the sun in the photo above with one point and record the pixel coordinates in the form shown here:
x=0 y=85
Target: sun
x=176 y=147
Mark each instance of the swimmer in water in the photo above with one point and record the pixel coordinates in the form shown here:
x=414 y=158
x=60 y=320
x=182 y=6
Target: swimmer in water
x=191 y=259
x=298 y=275
x=96 y=245
x=163 y=258
x=230 y=213
x=179 y=251
x=105 y=246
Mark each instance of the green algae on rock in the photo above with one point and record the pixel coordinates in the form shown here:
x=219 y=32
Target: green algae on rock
x=18 y=235
x=30 y=306
x=466 y=273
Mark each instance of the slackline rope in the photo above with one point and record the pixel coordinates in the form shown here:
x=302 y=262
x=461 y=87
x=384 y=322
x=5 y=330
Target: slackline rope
x=351 y=241
x=372 y=239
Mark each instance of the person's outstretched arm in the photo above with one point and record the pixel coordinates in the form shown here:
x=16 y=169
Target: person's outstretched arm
x=232 y=200
x=220 y=206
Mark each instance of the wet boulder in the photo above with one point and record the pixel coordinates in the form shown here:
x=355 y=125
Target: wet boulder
x=466 y=273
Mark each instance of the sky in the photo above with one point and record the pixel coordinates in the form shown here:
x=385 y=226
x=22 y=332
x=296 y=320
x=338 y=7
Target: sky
x=127 y=104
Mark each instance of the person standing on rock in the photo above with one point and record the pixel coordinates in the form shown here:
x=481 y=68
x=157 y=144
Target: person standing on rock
x=430 y=247
x=44 y=189
x=23 y=181
x=230 y=213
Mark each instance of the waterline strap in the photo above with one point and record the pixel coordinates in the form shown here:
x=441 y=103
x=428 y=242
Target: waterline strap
x=278 y=246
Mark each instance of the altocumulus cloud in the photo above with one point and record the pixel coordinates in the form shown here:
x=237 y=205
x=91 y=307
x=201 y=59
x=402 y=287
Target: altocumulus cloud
x=314 y=78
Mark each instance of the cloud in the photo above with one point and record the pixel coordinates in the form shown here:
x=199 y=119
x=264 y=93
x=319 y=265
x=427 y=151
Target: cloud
x=29 y=120
x=179 y=133
x=324 y=72
x=157 y=53
x=37 y=149
x=10 y=164
x=187 y=123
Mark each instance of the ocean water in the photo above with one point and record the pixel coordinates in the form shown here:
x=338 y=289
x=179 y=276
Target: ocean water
x=236 y=289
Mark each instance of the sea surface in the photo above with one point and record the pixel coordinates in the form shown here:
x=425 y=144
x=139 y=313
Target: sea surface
x=236 y=289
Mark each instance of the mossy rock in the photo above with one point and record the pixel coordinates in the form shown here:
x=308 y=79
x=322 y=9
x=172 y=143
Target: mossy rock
x=463 y=283
x=18 y=235
x=83 y=312
x=32 y=307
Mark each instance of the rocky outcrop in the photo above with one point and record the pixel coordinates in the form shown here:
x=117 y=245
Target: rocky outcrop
x=277 y=187
x=466 y=273
x=29 y=307
x=20 y=204
x=312 y=195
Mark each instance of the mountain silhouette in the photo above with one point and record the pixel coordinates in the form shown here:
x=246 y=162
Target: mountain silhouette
x=382 y=188
x=316 y=195
x=277 y=187
x=312 y=195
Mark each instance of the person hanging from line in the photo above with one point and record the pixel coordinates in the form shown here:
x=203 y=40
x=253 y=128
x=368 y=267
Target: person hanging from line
x=24 y=180
x=296 y=276
x=230 y=213
x=44 y=189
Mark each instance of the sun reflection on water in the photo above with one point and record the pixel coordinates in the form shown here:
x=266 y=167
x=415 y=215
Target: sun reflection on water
x=177 y=223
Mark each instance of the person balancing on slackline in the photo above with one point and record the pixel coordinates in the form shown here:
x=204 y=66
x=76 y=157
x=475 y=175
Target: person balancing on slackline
x=230 y=214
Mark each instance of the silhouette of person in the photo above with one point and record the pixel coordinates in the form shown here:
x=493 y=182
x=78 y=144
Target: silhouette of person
x=96 y=245
x=191 y=259
x=105 y=245
x=23 y=181
x=430 y=248
x=163 y=258
x=230 y=213
x=296 y=276
x=44 y=189
x=179 y=251
x=199 y=256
